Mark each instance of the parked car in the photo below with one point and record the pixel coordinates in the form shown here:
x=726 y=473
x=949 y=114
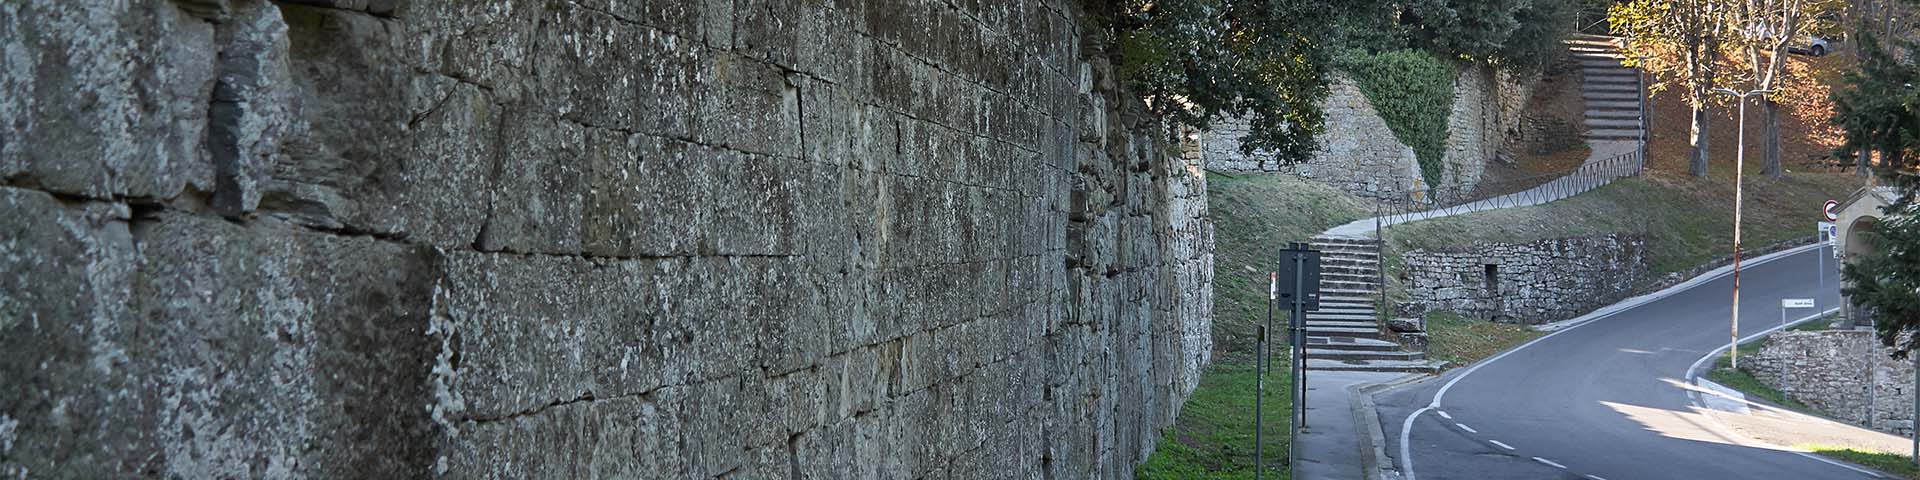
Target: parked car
x=1811 y=45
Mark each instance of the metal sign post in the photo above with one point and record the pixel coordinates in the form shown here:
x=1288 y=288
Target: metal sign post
x=1297 y=283
x=1826 y=234
x=1786 y=303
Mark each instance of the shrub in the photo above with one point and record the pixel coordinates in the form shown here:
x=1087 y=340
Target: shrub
x=1413 y=91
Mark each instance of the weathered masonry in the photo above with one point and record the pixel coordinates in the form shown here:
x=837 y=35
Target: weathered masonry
x=1534 y=282
x=1845 y=373
x=585 y=238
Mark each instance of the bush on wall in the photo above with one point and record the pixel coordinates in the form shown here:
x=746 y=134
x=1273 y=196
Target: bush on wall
x=1413 y=91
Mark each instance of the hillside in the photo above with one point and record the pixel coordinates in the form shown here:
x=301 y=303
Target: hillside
x=1255 y=216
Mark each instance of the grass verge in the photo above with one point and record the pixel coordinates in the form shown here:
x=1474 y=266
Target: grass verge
x=1461 y=341
x=1896 y=464
x=1684 y=220
x=1214 y=436
x=1724 y=374
x=1254 y=216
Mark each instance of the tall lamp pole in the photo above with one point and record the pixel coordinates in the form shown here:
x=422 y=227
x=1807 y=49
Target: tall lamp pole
x=1739 y=164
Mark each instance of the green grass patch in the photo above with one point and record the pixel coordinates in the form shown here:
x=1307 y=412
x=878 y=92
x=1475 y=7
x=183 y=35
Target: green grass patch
x=1254 y=217
x=1213 y=437
x=1461 y=341
x=1413 y=92
x=1818 y=324
x=1893 y=463
x=1687 y=222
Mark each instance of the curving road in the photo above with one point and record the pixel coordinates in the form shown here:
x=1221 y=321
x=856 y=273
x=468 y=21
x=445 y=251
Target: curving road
x=1606 y=399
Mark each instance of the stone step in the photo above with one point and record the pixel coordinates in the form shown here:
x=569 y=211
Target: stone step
x=1613 y=105
x=1353 y=344
x=1611 y=81
x=1367 y=250
x=1345 y=292
x=1612 y=133
x=1361 y=312
x=1592 y=48
x=1600 y=63
x=1408 y=366
x=1331 y=306
x=1348 y=254
x=1337 y=324
x=1362 y=283
x=1321 y=240
x=1313 y=331
x=1331 y=354
x=1628 y=123
x=1315 y=316
x=1330 y=276
x=1612 y=56
x=1610 y=96
x=1591 y=43
x=1622 y=114
x=1345 y=301
x=1591 y=72
x=1348 y=271
x=1626 y=87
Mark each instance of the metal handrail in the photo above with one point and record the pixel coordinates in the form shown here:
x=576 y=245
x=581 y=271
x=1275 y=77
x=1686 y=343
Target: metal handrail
x=1587 y=177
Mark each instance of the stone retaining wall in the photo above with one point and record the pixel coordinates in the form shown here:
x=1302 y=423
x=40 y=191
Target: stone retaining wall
x=695 y=239
x=1531 y=283
x=1358 y=153
x=1845 y=373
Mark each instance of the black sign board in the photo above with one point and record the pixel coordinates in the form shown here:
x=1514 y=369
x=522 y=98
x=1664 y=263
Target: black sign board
x=1307 y=264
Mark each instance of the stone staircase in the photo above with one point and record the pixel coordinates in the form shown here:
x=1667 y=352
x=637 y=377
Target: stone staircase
x=1345 y=333
x=1611 y=91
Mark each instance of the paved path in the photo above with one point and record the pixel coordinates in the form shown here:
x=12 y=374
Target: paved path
x=1557 y=189
x=1606 y=399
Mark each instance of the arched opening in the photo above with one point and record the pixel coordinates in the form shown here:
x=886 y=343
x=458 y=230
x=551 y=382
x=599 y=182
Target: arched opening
x=1856 y=245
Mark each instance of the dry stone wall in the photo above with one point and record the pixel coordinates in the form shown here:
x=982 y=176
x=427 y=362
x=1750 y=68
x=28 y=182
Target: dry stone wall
x=416 y=238
x=1535 y=282
x=1359 y=154
x=1845 y=373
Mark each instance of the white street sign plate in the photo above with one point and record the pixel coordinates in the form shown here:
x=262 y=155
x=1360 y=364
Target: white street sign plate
x=1796 y=303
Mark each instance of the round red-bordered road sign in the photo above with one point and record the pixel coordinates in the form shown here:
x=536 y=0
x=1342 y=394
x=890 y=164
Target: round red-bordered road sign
x=1831 y=210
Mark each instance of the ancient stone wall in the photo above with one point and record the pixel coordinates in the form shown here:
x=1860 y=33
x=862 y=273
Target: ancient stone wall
x=411 y=238
x=1358 y=153
x=1536 y=282
x=1845 y=373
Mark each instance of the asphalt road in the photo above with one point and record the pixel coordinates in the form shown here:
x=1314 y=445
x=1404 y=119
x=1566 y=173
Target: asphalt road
x=1605 y=400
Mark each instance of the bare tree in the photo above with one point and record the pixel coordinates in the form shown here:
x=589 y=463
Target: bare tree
x=1766 y=29
x=1692 y=29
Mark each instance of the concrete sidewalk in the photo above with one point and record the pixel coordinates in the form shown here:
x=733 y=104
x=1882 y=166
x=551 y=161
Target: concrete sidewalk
x=1333 y=445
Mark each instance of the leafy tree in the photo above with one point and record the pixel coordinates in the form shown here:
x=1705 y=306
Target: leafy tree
x=1879 y=108
x=1886 y=281
x=1522 y=35
x=1696 y=30
x=1878 y=104
x=1195 y=61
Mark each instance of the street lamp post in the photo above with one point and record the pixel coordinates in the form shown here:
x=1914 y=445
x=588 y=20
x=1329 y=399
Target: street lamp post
x=1739 y=164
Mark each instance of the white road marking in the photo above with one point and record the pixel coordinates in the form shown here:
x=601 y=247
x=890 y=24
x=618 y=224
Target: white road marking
x=1502 y=445
x=1595 y=477
x=1465 y=427
x=1406 y=427
x=1443 y=414
x=1838 y=464
x=1548 y=462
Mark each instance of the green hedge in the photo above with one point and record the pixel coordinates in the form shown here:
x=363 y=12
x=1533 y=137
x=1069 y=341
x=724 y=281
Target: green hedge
x=1413 y=91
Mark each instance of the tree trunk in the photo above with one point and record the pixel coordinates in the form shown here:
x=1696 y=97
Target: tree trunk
x=1860 y=167
x=1770 y=137
x=1697 y=139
